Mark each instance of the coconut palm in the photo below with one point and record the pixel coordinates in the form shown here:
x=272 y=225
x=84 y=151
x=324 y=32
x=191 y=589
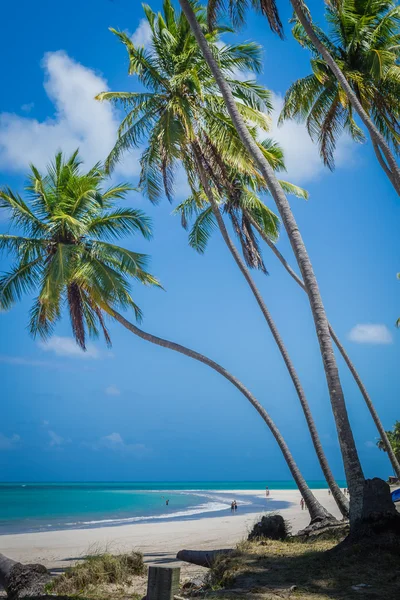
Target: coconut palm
x=184 y=125
x=239 y=193
x=364 y=41
x=378 y=18
x=361 y=505
x=65 y=251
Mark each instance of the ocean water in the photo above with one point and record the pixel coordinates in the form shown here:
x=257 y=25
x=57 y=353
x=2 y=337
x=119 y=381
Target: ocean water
x=53 y=506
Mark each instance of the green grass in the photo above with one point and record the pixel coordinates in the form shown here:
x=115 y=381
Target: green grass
x=269 y=570
x=101 y=575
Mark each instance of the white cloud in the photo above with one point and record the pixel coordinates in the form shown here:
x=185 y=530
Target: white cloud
x=55 y=439
x=142 y=35
x=28 y=107
x=115 y=442
x=8 y=443
x=79 y=121
x=370 y=333
x=66 y=346
x=112 y=390
x=302 y=158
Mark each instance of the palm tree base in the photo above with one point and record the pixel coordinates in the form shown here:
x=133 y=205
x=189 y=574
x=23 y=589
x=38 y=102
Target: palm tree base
x=324 y=528
x=22 y=581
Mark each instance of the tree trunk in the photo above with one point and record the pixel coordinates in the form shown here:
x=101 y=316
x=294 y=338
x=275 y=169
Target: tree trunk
x=353 y=371
x=203 y=558
x=339 y=497
x=376 y=136
x=316 y=510
x=352 y=465
x=22 y=581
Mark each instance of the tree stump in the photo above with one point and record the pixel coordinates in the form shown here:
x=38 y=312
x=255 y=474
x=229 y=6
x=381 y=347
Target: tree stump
x=163 y=583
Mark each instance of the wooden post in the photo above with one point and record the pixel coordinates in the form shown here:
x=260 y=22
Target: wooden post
x=163 y=583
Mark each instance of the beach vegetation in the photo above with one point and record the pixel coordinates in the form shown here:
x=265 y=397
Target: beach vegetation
x=308 y=570
x=102 y=575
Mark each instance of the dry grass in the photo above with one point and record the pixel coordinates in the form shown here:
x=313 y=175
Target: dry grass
x=269 y=570
x=103 y=575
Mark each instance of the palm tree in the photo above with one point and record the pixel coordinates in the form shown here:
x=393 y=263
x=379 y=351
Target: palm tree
x=239 y=192
x=361 y=505
x=363 y=40
x=320 y=42
x=65 y=252
x=184 y=125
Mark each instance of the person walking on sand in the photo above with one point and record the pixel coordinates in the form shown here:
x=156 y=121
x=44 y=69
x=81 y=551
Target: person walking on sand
x=302 y=503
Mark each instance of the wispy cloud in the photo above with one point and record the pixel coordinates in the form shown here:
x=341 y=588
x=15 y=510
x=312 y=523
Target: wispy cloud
x=55 y=439
x=8 y=443
x=112 y=390
x=66 y=346
x=115 y=442
x=142 y=34
x=79 y=121
x=370 y=333
x=370 y=444
x=20 y=360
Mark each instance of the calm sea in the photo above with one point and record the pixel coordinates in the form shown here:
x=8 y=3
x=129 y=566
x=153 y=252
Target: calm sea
x=52 y=506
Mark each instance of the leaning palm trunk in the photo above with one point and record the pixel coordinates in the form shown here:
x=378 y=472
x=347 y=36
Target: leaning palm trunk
x=316 y=510
x=340 y=499
x=360 y=505
x=391 y=169
x=385 y=440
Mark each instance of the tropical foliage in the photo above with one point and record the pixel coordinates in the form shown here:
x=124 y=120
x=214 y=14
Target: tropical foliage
x=394 y=439
x=181 y=104
x=64 y=248
x=364 y=40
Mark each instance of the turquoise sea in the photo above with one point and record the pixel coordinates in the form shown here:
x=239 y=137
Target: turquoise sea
x=26 y=506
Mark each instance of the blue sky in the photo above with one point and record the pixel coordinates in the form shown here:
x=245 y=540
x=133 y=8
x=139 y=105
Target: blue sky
x=139 y=412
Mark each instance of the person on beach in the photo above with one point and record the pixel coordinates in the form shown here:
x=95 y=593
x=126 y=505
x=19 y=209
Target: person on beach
x=235 y=505
x=232 y=506
x=167 y=502
x=302 y=503
x=267 y=492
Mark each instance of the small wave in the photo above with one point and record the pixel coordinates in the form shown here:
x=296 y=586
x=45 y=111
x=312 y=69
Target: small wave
x=196 y=510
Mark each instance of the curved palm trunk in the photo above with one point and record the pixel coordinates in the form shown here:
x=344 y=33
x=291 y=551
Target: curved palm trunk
x=340 y=499
x=360 y=505
x=385 y=440
x=376 y=136
x=316 y=510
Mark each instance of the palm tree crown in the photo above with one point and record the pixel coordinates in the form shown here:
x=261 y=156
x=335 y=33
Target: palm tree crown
x=364 y=42
x=181 y=102
x=64 y=248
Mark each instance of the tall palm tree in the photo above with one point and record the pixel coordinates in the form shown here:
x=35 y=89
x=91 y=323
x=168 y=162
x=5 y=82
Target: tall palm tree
x=361 y=505
x=239 y=193
x=364 y=40
x=65 y=251
x=237 y=9
x=185 y=104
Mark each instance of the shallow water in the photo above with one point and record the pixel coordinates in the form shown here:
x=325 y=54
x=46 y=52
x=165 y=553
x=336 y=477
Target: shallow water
x=52 y=506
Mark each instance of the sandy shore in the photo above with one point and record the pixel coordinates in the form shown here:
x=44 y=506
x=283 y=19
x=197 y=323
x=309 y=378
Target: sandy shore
x=160 y=541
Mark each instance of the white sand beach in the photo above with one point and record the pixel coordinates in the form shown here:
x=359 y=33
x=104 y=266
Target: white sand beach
x=159 y=541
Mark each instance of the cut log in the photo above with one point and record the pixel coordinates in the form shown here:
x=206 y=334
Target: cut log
x=203 y=558
x=21 y=581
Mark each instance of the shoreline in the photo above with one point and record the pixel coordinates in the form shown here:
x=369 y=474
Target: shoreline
x=159 y=541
